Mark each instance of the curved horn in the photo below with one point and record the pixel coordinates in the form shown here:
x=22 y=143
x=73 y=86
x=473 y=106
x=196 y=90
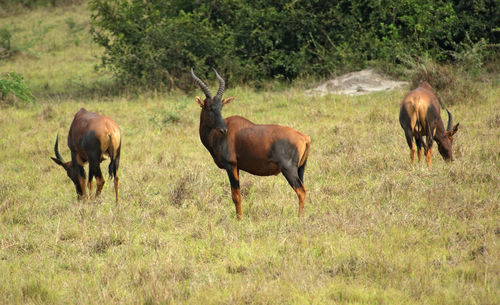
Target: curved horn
x=201 y=84
x=56 y=150
x=222 y=84
x=450 y=121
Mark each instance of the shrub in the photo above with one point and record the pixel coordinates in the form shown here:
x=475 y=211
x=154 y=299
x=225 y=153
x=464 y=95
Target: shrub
x=156 y=42
x=143 y=44
x=13 y=88
x=470 y=56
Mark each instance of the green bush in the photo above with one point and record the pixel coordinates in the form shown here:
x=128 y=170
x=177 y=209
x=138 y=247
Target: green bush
x=142 y=44
x=13 y=88
x=156 y=42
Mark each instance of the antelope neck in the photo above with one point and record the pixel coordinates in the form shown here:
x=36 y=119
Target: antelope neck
x=440 y=131
x=216 y=144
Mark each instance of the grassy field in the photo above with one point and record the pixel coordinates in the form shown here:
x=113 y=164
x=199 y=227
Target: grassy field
x=376 y=230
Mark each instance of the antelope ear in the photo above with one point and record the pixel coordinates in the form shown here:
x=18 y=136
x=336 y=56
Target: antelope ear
x=454 y=130
x=199 y=101
x=228 y=100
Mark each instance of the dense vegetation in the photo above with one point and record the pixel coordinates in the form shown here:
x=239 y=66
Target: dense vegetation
x=156 y=41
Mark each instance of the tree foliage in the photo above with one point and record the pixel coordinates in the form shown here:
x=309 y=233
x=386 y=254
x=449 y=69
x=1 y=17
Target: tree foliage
x=158 y=41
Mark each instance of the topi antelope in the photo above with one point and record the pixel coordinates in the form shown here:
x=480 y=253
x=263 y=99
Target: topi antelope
x=91 y=137
x=237 y=144
x=420 y=115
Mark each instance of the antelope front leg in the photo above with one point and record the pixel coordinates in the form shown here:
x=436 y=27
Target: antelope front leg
x=428 y=156
x=96 y=172
x=100 y=184
x=428 y=146
x=83 y=196
x=235 y=190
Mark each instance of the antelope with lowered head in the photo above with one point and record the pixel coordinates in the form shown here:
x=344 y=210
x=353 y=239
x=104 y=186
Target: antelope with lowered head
x=419 y=116
x=91 y=137
x=237 y=144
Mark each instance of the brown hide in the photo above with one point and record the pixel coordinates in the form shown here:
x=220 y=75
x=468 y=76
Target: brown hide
x=106 y=130
x=91 y=137
x=420 y=116
x=249 y=145
x=237 y=144
x=417 y=103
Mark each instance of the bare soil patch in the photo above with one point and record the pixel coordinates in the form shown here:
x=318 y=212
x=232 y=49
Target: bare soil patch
x=357 y=83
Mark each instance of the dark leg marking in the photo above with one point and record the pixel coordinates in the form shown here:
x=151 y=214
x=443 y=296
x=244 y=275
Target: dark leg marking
x=96 y=170
x=79 y=180
x=420 y=146
x=429 y=139
x=409 y=137
x=409 y=140
x=404 y=121
x=92 y=147
x=286 y=155
x=292 y=176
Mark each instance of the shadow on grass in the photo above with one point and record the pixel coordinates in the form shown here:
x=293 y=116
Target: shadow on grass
x=105 y=89
x=98 y=89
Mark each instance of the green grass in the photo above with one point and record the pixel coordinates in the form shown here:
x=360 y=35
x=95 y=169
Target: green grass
x=54 y=51
x=376 y=230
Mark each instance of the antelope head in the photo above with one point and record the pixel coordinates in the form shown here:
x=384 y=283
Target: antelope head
x=445 y=142
x=211 y=106
x=74 y=172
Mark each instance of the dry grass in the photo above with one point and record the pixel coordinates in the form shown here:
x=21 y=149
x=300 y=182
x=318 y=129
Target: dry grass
x=376 y=230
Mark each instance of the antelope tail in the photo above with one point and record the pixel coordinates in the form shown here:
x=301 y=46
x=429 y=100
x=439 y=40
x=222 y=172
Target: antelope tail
x=418 y=125
x=111 y=153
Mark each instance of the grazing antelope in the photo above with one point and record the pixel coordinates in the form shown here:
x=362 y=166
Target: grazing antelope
x=91 y=137
x=236 y=143
x=420 y=115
